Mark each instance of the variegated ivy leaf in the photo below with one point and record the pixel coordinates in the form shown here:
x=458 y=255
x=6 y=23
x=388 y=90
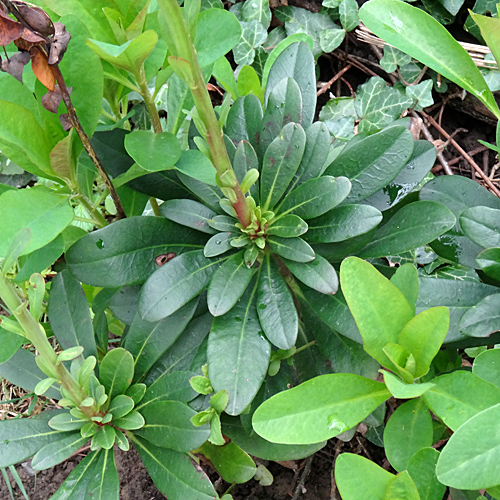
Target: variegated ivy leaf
x=422 y=93
x=377 y=105
x=211 y=4
x=337 y=108
x=393 y=58
x=253 y=35
x=257 y=10
x=331 y=38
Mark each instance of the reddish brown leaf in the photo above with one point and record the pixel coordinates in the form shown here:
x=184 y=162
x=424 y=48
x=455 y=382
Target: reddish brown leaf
x=51 y=100
x=10 y=30
x=65 y=121
x=60 y=43
x=15 y=64
x=37 y=18
x=42 y=69
x=61 y=158
x=31 y=37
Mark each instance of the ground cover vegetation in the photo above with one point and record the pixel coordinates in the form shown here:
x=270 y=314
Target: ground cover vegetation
x=272 y=277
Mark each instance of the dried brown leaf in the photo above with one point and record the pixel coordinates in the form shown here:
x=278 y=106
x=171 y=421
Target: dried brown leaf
x=15 y=64
x=37 y=18
x=42 y=69
x=65 y=121
x=60 y=43
x=10 y=30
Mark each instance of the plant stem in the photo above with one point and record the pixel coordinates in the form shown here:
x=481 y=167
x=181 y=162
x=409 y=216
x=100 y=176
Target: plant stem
x=183 y=48
x=148 y=100
x=35 y=334
x=154 y=206
x=99 y=219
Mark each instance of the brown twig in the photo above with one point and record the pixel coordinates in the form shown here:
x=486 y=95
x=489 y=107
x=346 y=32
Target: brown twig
x=476 y=167
x=303 y=477
x=472 y=152
x=329 y=83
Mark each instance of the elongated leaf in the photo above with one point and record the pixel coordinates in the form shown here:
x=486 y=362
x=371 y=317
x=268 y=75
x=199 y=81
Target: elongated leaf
x=482 y=319
x=244 y=120
x=318 y=274
x=69 y=314
x=343 y=223
x=457 y=296
x=422 y=469
x=45 y=213
x=238 y=354
x=406 y=279
x=9 y=344
x=303 y=415
x=369 y=483
x=469 y=460
x=95 y=476
x=21 y=369
x=489 y=31
x=275 y=307
x=481 y=225
x=489 y=261
x=297 y=62
x=148 y=341
x=116 y=371
x=413 y=225
x=487 y=366
x=280 y=163
x=288 y=226
x=415 y=32
x=218 y=244
x=408 y=430
x=22 y=438
x=124 y=253
x=402 y=390
x=295 y=249
x=189 y=213
x=230 y=461
x=371 y=163
x=195 y=164
x=173 y=473
x=57 y=451
x=175 y=284
x=168 y=425
x=367 y=293
x=459 y=396
x=315 y=197
x=228 y=284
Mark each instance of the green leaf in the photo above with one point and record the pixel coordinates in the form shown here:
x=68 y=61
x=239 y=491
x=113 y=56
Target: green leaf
x=131 y=421
x=402 y=390
x=315 y=197
x=369 y=483
x=408 y=430
x=105 y=437
x=45 y=213
x=378 y=105
x=412 y=226
x=422 y=469
x=342 y=223
x=195 y=164
x=238 y=354
x=483 y=319
x=217 y=32
x=288 y=226
x=406 y=279
x=34 y=154
x=228 y=284
x=423 y=336
x=129 y=56
x=121 y=405
x=43 y=386
x=116 y=371
x=348 y=11
x=402 y=487
x=173 y=473
x=244 y=120
x=168 y=425
x=415 y=32
x=296 y=61
x=114 y=256
x=19 y=243
x=489 y=261
x=95 y=477
x=481 y=225
x=253 y=34
x=457 y=296
x=153 y=152
x=9 y=344
x=275 y=307
x=189 y=213
x=373 y=162
x=21 y=370
x=489 y=31
x=367 y=293
x=175 y=284
x=69 y=314
x=295 y=249
x=469 y=460
x=218 y=244
x=330 y=39
x=230 y=461
x=303 y=415
x=318 y=274
x=487 y=366
x=280 y=163
x=459 y=396
x=148 y=341
x=57 y=451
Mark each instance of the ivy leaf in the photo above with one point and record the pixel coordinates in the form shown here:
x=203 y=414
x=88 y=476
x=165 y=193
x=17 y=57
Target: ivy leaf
x=257 y=10
x=421 y=93
x=393 y=58
x=348 y=12
x=253 y=34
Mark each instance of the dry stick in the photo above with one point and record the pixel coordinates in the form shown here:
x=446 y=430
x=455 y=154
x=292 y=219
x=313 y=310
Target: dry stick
x=425 y=130
x=329 y=83
x=303 y=477
x=476 y=167
x=86 y=141
x=472 y=152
